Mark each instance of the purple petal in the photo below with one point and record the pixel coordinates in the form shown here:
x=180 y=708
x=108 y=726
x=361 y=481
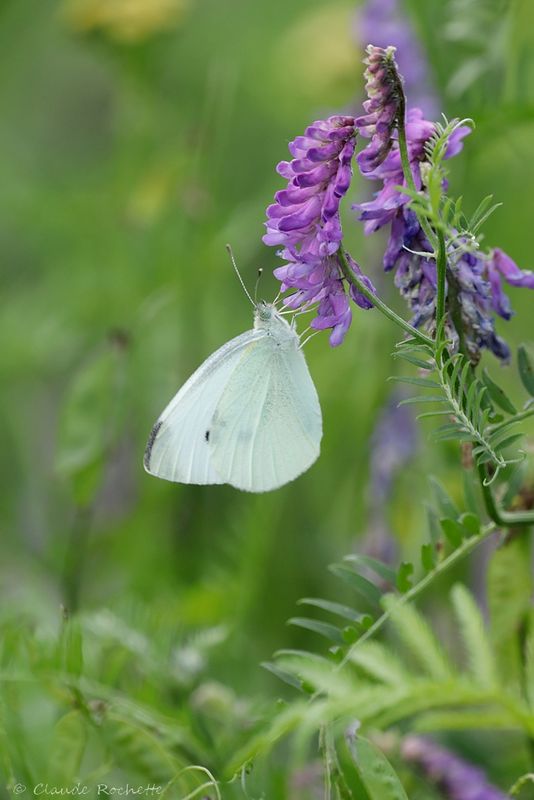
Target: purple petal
x=456 y=143
x=511 y=272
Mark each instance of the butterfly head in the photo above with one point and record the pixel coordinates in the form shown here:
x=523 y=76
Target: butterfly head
x=263 y=314
x=267 y=316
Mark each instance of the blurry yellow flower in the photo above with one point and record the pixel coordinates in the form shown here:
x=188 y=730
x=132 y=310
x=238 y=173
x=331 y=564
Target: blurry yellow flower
x=125 y=20
x=162 y=186
x=329 y=76
x=150 y=197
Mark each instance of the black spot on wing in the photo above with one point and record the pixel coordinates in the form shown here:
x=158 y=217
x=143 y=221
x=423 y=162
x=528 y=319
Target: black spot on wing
x=150 y=444
x=207 y=436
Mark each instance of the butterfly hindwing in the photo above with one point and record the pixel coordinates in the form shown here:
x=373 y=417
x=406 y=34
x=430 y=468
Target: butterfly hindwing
x=267 y=427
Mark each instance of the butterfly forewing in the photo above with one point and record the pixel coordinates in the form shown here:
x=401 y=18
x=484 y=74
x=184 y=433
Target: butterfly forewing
x=179 y=447
x=249 y=416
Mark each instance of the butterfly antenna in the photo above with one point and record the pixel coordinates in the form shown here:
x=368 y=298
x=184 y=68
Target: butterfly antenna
x=258 y=279
x=241 y=281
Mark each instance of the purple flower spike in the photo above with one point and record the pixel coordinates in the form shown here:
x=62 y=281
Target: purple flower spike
x=415 y=277
x=304 y=220
x=386 y=22
x=384 y=90
x=388 y=200
x=305 y=215
x=456 y=778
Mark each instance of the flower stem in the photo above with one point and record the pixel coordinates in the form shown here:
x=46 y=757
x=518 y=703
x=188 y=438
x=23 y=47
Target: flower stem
x=388 y=312
x=502 y=518
x=441 y=273
x=406 y=167
x=403 y=147
x=467 y=546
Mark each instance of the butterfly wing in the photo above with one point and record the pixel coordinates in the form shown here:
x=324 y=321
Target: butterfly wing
x=267 y=427
x=179 y=447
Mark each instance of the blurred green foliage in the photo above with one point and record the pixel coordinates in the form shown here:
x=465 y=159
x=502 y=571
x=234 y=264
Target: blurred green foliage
x=138 y=137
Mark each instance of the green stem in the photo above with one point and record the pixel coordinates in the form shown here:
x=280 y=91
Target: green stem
x=407 y=170
x=464 y=549
x=403 y=148
x=388 y=312
x=441 y=273
x=76 y=556
x=502 y=518
x=455 y=309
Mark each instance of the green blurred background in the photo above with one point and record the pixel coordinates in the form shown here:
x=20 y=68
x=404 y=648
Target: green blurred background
x=137 y=138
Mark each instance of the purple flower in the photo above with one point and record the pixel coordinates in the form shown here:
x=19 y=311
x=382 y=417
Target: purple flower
x=499 y=264
x=415 y=277
x=382 y=209
x=473 y=280
x=385 y=22
x=456 y=778
x=467 y=281
x=385 y=102
x=304 y=220
x=305 y=216
x=321 y=282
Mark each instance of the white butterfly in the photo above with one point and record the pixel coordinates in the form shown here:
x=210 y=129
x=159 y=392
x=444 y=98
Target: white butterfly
x=249 y=416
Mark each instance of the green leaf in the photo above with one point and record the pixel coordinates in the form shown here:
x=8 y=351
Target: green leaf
x=481 y=209
x=452 y=432
x=509 y=592
x=417 y=634
x=375 y=772
x=526 y=369
x=521 y=783
x=445 y=502
x=475 y=228
x=428 y=556
x=334 y=608
x=497 y=394
x=377 y=661
x=71 y=647
x=282 y=674
x=476 y=643
x=453 y=531
x=320 y=674
x=135 y=748
x=367 y=590
x=434 y=528
x=69 y=740
x=417 y=362
x=486 y=719
x=191 y=782
x=322 y=628
x=435 y=413
x=470 y=521
x=404 y=574
x=423 y=398
x=378 y=567
x=428 y=384
x=471 y=496
x=506 y=442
